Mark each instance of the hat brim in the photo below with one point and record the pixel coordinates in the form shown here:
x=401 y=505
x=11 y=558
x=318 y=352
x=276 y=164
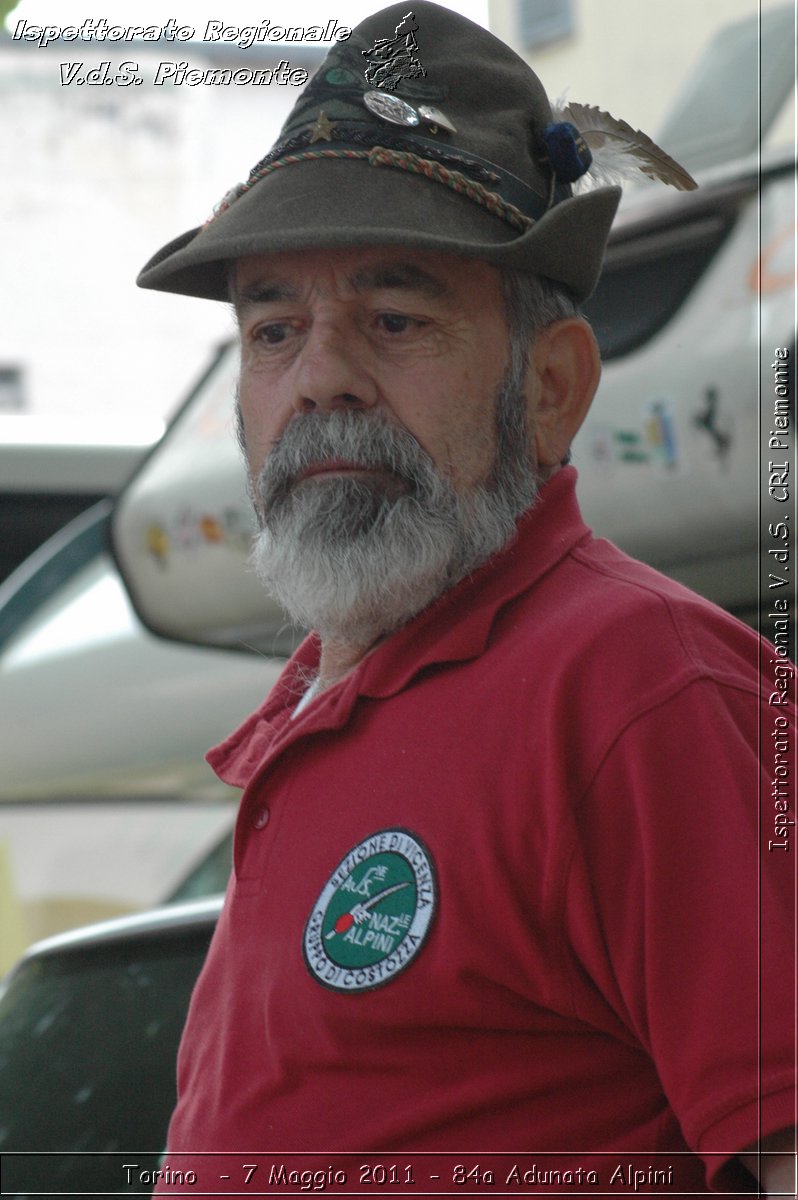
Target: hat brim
x=339 y=203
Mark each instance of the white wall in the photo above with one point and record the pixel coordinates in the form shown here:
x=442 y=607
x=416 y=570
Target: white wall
x=93 y=180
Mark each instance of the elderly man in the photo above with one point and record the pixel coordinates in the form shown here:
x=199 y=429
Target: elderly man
x=495 y=882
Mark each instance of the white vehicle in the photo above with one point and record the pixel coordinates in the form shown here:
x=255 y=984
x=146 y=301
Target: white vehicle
x=695 y=314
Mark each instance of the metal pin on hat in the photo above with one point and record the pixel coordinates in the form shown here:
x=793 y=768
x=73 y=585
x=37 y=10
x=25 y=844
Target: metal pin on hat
x=398 y=112
x=391 y=108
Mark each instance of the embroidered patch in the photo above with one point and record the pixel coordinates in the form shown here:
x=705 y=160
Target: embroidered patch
x=374 y=913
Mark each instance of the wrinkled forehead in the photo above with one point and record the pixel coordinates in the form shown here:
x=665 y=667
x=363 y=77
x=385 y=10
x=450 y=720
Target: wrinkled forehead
x=431 y=275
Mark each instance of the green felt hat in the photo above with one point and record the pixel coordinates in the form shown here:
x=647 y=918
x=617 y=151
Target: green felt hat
x=421 y=129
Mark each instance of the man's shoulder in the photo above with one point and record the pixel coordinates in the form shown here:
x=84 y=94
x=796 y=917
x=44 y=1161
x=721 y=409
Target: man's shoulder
x=574 y=597
x=601 y=612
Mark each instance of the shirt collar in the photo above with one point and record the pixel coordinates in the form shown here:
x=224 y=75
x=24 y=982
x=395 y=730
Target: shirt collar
x=456 y=627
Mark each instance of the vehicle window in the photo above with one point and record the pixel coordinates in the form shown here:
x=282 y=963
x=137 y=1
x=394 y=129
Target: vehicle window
x=210 y=876
x=88 y=1044
x=636 y=297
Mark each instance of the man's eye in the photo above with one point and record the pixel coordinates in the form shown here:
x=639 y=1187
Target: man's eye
x=397 y=322
x=272 y=334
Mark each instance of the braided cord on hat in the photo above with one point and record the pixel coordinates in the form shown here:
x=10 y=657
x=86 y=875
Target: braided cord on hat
x=382 y=156
x=404 y=161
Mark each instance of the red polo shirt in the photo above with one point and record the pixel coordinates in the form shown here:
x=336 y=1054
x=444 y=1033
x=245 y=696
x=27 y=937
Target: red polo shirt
x=502 y=888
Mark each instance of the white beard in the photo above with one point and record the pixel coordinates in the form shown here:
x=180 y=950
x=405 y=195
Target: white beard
x=355 y=560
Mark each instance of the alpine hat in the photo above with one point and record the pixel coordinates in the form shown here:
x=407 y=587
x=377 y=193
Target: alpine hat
x=421 y=129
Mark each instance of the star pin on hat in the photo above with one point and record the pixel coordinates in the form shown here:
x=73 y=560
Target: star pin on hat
x=422 y=130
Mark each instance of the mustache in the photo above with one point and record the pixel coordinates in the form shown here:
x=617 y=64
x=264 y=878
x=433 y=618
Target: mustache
x=358 y=438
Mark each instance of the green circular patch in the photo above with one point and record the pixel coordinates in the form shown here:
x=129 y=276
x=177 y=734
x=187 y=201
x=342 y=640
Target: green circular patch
x=373 y=913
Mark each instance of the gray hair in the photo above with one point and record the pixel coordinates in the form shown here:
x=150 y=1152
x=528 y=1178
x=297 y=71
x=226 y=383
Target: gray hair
x=531 y=303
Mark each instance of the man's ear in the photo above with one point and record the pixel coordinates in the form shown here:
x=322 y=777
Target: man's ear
x=564 y=372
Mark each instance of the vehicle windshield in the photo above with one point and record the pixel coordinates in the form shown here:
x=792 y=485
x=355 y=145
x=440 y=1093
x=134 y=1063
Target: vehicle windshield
x=88 y=1042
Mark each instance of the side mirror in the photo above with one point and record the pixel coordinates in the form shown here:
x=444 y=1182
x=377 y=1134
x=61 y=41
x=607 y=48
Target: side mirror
x=182 y=530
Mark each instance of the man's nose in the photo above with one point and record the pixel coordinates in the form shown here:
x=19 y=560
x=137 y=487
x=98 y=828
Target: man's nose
x=331 y=372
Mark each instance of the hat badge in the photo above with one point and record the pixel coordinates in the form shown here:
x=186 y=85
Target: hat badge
x=392 y=60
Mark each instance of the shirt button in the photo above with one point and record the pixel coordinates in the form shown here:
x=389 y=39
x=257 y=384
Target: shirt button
x=261 y=819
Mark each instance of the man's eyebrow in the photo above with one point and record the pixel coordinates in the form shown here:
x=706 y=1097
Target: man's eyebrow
x=261 y=291
x=404 y=276
x=382 y=276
